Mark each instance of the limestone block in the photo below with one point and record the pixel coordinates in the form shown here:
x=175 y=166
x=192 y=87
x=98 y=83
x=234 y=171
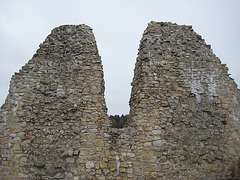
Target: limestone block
x=89 y=165
x=158 y=143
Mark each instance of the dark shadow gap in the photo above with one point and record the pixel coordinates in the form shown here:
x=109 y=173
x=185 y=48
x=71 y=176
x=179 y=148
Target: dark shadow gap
x=118 y=121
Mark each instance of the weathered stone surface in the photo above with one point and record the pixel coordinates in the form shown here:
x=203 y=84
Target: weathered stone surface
x=157 y=143
x=55 y=109
x=186 y=104
x=89 y=165
x=184 y=112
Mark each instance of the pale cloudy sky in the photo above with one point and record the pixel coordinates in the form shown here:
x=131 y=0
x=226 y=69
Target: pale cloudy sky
x=118 y=26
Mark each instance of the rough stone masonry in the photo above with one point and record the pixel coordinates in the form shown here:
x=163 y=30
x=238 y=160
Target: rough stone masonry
x=184 y=112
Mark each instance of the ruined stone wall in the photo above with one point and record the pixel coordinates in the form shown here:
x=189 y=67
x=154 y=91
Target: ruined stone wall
x=184 y=107
x=54 y=109
x=184 y=112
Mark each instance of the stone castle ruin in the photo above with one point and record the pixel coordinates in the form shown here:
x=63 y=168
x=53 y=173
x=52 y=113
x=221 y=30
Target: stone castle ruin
x=183 y=121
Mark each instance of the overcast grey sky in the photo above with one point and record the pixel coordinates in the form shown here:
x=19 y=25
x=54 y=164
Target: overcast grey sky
x=118 y=26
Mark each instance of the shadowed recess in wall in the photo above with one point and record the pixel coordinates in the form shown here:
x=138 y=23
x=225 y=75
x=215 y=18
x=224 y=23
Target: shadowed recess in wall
x=118 y=121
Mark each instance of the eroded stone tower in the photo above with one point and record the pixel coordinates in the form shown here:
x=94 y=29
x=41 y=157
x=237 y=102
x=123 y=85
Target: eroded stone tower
x=184 y=112
x=56 y=107
x=184 y=107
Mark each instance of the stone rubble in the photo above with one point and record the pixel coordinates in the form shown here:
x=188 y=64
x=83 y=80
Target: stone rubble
x=183 y=121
